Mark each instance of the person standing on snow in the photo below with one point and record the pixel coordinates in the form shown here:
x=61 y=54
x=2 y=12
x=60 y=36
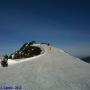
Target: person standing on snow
x=4 y=61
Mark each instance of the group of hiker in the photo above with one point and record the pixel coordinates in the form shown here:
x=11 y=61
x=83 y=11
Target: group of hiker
x=4 y=61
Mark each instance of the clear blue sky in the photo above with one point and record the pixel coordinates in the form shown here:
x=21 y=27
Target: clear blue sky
x=64 y=23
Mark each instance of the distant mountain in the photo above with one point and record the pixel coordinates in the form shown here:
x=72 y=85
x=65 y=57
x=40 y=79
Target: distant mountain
x=86 y=59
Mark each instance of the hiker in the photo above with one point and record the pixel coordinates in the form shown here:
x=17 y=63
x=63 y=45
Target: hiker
x=4 y=61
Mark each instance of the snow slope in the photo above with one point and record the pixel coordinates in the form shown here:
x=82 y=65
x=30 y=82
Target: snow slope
x=53 y=70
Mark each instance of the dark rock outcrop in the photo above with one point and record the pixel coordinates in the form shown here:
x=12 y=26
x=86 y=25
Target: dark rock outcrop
x=27 y=50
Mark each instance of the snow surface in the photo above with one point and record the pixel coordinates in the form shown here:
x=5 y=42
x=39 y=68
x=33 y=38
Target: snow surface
x=52 y=70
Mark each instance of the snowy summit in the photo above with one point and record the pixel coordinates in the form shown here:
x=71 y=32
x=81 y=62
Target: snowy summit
x=52 y=69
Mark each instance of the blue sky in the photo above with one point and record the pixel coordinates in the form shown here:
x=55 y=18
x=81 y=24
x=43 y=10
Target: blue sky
x=63 y=23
